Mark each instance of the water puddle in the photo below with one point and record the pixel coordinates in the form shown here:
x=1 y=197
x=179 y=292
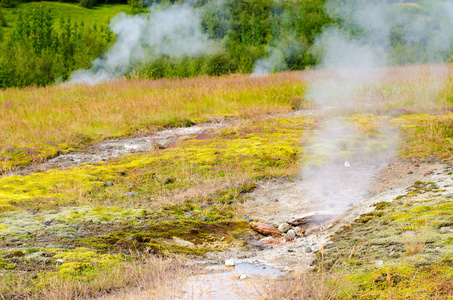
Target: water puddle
x=223 y=282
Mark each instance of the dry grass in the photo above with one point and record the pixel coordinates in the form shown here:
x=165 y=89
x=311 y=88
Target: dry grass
x=149 y=274
x=39 y=122
x=392 y=90
x=304 y=284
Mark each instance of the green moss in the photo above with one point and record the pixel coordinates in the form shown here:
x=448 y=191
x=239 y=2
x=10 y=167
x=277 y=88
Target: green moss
x=191 y=237
x=82 y=260
x=407 y=239
x=267 y=148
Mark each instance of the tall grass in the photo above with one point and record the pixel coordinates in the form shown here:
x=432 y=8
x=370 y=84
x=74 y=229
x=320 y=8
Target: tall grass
x=150 y=275
x=36 y=119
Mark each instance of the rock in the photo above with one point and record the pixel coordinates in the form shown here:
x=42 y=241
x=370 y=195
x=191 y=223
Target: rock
x=284 y=227
x=249 y=220
x=446 y=229
x=187 y=215
x=203 y=219
x=131 y=185
x=378 y=263
x=275 y=200
x=182 y=242
x=410 y=172
x=299 y=231
x=416 y=164
x=230 y=262
x=243 y=276
x=310 y=218
x=311 y=230
x=265 y=229
x=130 y=194
x=59 y=261
x=109 y=183
x=291 y=234
x=308 y=249
x=347 y=164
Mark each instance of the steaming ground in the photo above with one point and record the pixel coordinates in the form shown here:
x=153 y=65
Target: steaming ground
x=210 y=280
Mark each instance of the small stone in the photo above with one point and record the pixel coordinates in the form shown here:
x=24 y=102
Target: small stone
x=284 y=227
x=109 y=183
x=416 y=164
x=131 y=185
x=275 y=200
x=243 y=276
x=249 y=220
x=308 y=249
x=204 y=219
x=187 y=215
x=410 y=172
x=230 y=262
x=347 y=164
x=291 y=234
x=130 y=194
x=59 y=261
x=378 y=263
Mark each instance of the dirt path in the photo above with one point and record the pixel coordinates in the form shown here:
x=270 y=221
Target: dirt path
x=112 y=148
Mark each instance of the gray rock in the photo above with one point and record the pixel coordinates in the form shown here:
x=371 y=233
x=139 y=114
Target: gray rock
x=284 y=227
x=59 y=261
x=130 y=194
x=275 y=200
x=249 y=220
x=109 y=183
x=291 y=234
x=378 y=263
x=308 y=249
x=131 y=185
x=204 y=219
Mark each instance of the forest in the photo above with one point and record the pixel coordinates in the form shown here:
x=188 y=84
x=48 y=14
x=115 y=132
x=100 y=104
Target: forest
x=41 y=47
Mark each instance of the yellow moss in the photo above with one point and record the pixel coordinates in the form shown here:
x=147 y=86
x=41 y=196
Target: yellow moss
x=251 y=150
x=83 y=259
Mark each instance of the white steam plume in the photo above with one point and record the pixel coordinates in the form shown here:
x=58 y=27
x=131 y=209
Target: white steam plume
x=344 y=160
x=172 y=30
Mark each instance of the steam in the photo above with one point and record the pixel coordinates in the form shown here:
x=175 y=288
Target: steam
x=173 y=30
x=273 y=63
x=344 y=157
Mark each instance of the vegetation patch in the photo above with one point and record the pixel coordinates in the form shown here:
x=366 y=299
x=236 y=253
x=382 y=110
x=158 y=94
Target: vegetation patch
x=267 y=148
x=407 y=258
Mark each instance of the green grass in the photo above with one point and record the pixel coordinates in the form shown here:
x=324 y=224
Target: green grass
x=101 y=14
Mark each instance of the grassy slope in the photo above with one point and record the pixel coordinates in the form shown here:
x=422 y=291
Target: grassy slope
x=101 y=14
